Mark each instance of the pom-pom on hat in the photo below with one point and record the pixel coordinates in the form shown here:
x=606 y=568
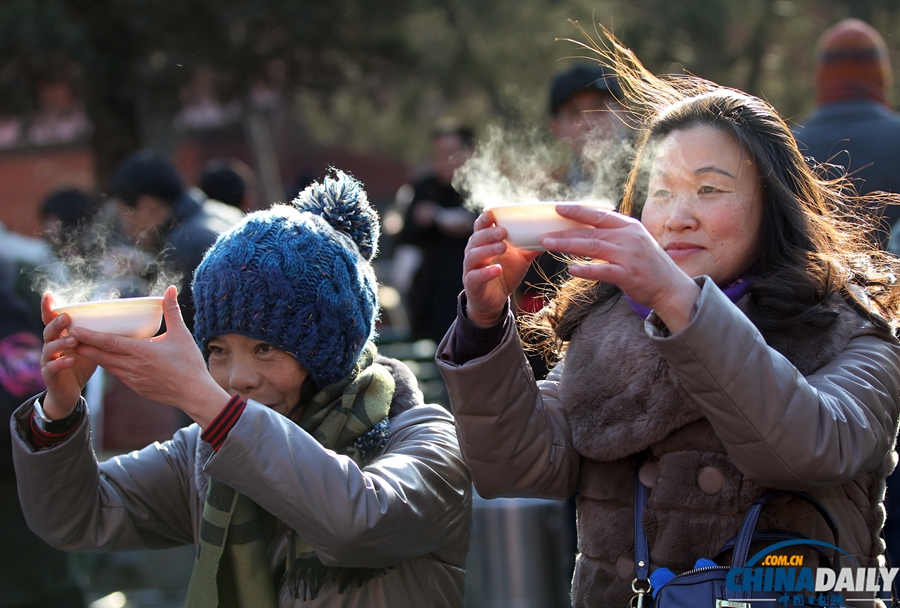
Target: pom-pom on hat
x=852 y=62
x=298 y=277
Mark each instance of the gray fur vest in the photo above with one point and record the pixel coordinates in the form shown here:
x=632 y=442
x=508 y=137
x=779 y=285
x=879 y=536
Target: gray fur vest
x=622 y=399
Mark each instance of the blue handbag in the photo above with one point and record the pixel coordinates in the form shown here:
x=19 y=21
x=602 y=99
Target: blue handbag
x=708 y=585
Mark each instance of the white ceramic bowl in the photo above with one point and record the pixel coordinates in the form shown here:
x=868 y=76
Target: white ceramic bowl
x=525 y=222
x=130 y=317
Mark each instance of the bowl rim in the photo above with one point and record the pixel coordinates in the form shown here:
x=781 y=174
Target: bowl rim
x=129 y=301
x=594 y=203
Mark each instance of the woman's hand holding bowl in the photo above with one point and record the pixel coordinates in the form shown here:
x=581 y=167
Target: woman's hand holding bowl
x=491 y=271
x=634 y=261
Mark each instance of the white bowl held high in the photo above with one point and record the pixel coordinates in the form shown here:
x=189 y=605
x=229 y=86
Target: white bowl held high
x=526 y=222
x=129 y=317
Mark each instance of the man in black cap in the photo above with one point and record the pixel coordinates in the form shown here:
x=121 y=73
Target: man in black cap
x=587 y=115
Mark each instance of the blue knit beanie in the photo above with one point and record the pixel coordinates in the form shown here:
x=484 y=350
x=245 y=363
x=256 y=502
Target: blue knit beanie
x=298 y=277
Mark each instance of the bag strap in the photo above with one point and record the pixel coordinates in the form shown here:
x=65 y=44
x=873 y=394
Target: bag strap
x=641 y=546
x=641 y=583
x=773 y=536
x=741 y=545
x=745 y=537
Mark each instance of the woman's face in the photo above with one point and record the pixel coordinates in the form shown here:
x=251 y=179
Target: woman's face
x=704 y=204
x=256 y=370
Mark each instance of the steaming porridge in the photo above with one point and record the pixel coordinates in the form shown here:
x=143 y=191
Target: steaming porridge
x=525 y=222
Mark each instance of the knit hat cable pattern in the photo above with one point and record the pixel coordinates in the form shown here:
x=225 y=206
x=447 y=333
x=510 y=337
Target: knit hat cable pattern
x=298 y=277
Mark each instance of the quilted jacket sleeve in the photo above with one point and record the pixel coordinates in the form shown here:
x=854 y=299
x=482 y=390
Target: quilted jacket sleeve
x=512 y=430
x=142 y=500
x=412 y=500
x=780 y=428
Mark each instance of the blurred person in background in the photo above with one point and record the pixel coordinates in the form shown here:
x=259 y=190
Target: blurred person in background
x=436 y=228
x=853 y=124
x=587 y=115
x=70 y=221
x=23 y=255
x=229 y=181
x=162 y=218
x=93 y=258
x=32 y=573
x=64 y=215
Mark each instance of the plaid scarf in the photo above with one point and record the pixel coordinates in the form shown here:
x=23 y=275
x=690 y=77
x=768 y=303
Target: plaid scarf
x=232 y=569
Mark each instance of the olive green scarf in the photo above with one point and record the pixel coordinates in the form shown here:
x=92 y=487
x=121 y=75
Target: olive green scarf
x=232 y=569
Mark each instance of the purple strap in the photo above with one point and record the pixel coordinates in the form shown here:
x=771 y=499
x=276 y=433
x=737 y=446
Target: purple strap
x=734 y=291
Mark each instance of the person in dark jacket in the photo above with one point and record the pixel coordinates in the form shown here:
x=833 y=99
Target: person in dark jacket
x=161 y=217
x=854 y=126
x=438 y=225
x=230 y=181
x=586 y=113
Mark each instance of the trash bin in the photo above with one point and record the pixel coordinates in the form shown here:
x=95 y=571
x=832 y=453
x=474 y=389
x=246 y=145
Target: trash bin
x=519 y=556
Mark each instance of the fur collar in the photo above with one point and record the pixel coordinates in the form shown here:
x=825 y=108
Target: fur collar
x=621 y=396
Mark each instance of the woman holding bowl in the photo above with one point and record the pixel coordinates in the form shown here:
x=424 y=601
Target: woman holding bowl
x=737 y=338
x=315 y=475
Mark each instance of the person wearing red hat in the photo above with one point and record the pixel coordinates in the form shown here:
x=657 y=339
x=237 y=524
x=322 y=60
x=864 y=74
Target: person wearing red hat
x=854 y=125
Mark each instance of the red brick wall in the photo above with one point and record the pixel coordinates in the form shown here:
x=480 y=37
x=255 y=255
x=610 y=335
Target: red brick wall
x=26 y=177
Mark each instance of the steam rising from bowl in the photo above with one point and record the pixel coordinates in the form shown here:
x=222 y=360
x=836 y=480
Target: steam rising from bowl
x=526 y=222
x=129 y=317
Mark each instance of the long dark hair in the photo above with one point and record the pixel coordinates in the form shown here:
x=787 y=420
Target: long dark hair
x=816 y=241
